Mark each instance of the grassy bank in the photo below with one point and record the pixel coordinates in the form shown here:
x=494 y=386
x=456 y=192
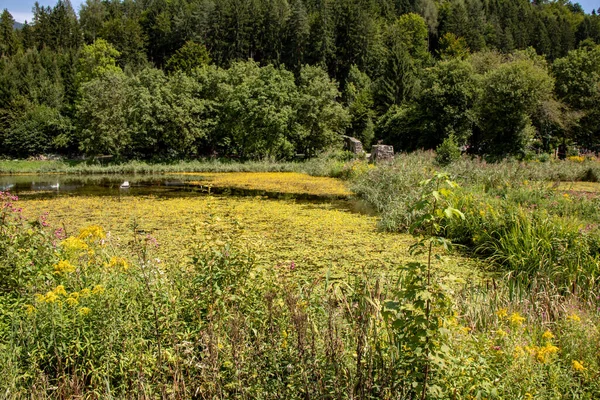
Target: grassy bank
x=140 y=167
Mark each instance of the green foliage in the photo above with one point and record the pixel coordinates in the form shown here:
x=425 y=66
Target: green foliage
x=510 y=95
x=452 y=46
x=391 y=43
x=102 y=316
x=26 y=252
x=320 y=118
x=444 y=107
x=9 y=41
x=39 y=130
x=97 y=59
x=419 y=321
x=190 y=56
x=103 y=114
x=448 y=151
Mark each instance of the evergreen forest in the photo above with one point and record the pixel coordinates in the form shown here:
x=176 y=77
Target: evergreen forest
x=255 y=79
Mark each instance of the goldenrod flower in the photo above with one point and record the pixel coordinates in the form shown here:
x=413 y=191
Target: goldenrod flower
x=72 y=301
x=544 y=353
x=85 y=292
x=50 y=297
x=29 y=309
x=74 y=245
x=502 y=313
x=84 y=311
x=118 y=262
x=516 y=319
x=574 y=318
x=548 y=335
x=518 y=352
x=60 y=290
x=578 y=366
x=98 y=289
x=501 y=333
x=93 y=232
x=63 y=267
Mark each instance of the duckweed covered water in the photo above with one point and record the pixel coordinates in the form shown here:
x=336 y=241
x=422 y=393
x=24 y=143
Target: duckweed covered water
x=310 y=223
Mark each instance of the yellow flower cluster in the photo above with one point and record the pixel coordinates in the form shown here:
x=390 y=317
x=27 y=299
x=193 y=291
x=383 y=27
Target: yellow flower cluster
x=64 y=267
x=98 y=290
x=117 y=262
x=548 y=335
x=84 y=311
x=516 y=319
x=578 y=159
x=74 y=245
x=578 y=366
x=29 y=309
x=542 y=353
x=52 y=296
x=92 y=232
x=59 y=295
x=573 y=318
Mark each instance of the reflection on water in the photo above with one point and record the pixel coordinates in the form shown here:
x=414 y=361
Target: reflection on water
x=50 y=186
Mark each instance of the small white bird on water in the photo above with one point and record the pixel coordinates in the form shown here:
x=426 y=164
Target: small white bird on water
x=125 y=185
x=57 y=186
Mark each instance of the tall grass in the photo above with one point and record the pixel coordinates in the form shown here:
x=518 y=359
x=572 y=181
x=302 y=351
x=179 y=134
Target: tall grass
x=515 y=217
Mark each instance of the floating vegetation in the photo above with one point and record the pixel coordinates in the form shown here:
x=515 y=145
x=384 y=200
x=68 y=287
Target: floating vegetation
x=314 y=236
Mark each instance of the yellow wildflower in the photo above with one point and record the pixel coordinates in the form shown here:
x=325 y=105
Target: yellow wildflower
x=60 y=290
x=84 y=311
x=40 y=298
x=518 y=352
x=574 y=318
x=72 y=301
x=63 y=267
x=74 y=295
x=98 y=289
x=501 y=333
x=93 y=232
x=118 y=262
x=85 y=292
x=516 y=319
x=548 y=335
x=502 y=313
x=73 y=244
x=544 y=353
x=578 y=366
x=528 y=396
x=29 y=309
x=50 y=297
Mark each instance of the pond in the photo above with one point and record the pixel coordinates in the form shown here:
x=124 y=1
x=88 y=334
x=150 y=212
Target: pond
x=312 y=223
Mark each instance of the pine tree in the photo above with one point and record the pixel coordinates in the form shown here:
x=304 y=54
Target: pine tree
x=9 y=40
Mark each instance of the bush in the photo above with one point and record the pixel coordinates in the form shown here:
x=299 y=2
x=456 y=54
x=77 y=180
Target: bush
x=448 y=151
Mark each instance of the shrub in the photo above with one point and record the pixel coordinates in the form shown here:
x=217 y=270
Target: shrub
x=448 y=151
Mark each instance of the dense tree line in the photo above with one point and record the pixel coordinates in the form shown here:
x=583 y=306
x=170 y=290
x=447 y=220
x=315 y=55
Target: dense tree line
x=271 y=78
